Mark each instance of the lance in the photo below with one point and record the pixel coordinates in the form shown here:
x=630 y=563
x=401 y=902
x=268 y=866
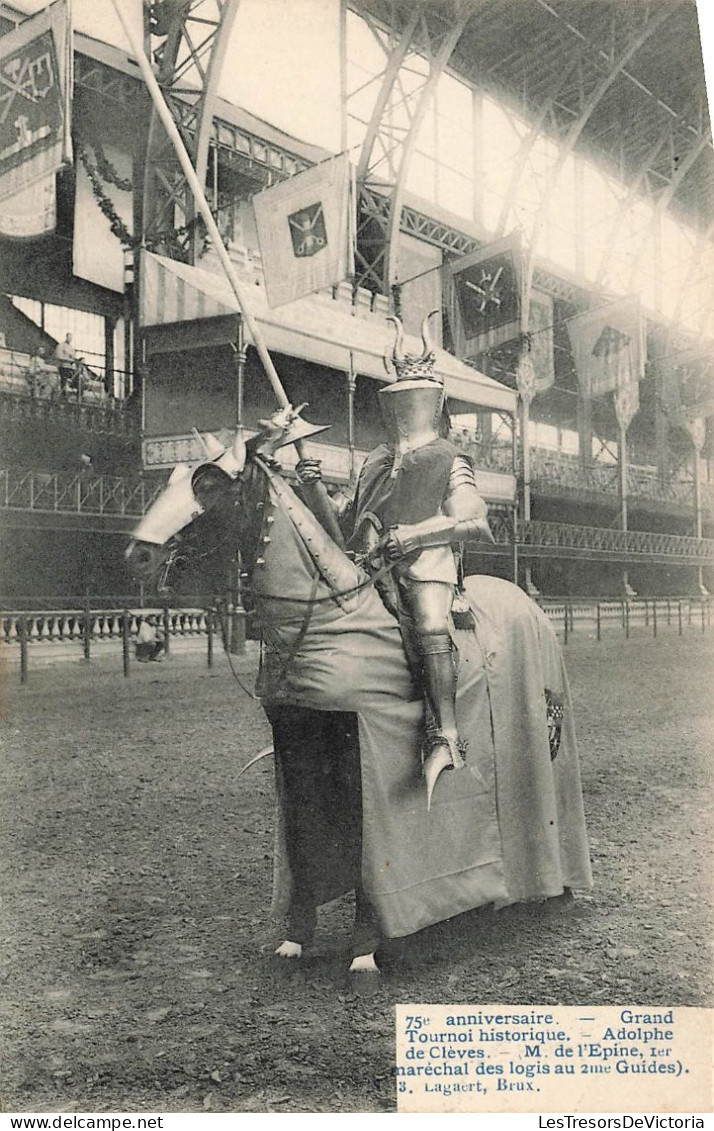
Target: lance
x=203 y=207
x=320 y=502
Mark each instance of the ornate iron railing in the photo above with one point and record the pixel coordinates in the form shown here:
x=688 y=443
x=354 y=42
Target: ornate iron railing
x=82 y=493
x=565 y=475
x=562 y=539
x=111 y=416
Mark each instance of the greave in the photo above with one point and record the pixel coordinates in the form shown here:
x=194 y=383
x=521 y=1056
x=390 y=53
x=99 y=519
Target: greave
x=439 y=675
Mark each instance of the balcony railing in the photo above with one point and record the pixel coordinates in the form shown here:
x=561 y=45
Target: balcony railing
x=82 y=493
x=564 y=539
x=565 y=475
x=29 y=395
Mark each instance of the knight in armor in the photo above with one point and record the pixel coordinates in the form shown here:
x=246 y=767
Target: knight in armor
x=415 y=505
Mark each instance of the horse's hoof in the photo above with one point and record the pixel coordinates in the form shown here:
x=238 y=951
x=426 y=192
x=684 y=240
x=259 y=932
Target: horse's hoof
x=364 y=964
x=289 y=949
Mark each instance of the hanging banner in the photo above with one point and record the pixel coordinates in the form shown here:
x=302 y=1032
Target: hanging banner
x=627 y=401
x=484 y=298
x=35 y=99
x=97 y=248
x=540 y=336
x=306 y=231
x=526 y=380
x=30 y=213
x=697 y=429
x=609 y=350
x=687 y=387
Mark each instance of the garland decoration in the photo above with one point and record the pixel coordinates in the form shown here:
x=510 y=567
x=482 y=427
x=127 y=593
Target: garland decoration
x=100 y=172
x=104 y=202
x=107 y=171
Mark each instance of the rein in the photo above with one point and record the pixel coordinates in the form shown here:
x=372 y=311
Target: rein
x=333 y=595
x=286 y=654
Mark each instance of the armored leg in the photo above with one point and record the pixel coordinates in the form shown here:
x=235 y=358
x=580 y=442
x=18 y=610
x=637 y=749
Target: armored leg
x=430 y=605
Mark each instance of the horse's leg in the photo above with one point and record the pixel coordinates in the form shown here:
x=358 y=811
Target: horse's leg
x=301 y=919
x=365 y=936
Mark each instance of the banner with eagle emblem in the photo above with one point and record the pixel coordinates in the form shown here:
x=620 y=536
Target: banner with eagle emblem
x=35 y=99
x=306 y=231
x=609 y=349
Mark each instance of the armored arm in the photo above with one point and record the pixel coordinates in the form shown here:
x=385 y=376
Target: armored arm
x=328 y=510
x=464 y=518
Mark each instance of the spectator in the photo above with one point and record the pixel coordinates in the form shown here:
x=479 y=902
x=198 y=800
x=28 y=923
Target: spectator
x=150 y=641
x=41 y=376
x=66 y=356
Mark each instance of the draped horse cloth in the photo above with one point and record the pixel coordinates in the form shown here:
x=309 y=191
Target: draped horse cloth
x=509 y=827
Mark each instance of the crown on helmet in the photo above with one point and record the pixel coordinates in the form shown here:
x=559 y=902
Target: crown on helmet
x=411 y=366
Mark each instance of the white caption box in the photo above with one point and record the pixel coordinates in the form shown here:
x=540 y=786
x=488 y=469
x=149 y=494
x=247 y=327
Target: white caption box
x=510 y=1058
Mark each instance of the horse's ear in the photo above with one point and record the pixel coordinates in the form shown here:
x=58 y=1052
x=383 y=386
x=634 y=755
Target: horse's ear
x=179 y=472
x=211 y=445
x=233 y=459
x=214 y=447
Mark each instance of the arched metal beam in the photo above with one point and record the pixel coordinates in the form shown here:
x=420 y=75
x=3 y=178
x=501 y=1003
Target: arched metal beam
x=577 y=127
x=627 y=202
x=380 y=201
x=665 y=199
x=702 y=246
x=394 y=63
x=190 y=61
x=391 y=258
x=529 y=141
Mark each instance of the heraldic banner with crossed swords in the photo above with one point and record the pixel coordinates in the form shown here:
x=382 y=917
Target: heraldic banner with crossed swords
x=35 y=86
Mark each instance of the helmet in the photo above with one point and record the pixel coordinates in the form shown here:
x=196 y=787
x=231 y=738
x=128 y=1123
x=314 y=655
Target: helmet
x=412 y=405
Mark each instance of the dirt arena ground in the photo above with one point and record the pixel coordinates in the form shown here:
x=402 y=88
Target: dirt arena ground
x=137 y=970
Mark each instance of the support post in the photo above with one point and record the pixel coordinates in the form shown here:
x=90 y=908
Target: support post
x=487 y=440
x=679 y=616
x=234 y=630
x=166 y=623
x=585 y=429
x=526 y=468
x=22 y=626
x=241 y=353
x=209 y=631
x=87 y=634
x=109 y=357
x=701 y=587
x=622 y=468
x=125 y=641
x=351 y=389
x=599 y=625
x=514 y=546
x=654 y=618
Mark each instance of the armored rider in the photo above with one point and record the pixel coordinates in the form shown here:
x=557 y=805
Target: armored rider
x=416 y=503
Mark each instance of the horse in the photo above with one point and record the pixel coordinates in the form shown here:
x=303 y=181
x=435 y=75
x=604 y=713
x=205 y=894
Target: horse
x=348 y=721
